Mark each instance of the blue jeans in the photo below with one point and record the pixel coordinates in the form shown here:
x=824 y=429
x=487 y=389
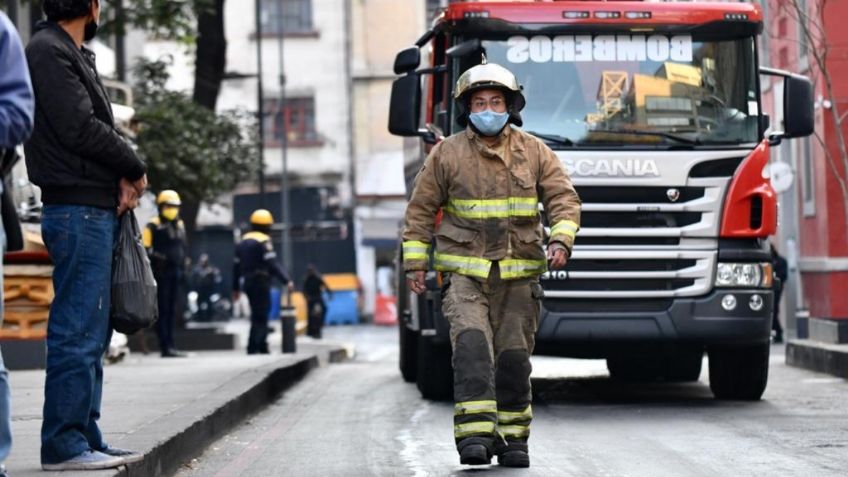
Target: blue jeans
x=80 y=240
x=5 y=393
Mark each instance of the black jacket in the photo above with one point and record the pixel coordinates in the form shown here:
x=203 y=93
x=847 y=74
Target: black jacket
x=75 y=153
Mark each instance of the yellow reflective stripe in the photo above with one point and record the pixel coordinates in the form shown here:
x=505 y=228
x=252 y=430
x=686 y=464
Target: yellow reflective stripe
x=467 y=429
x=473 y=266
x=565 y=227
x=508 y=417
x=493 y=208
x=414 y=250
x=514 y=431
x=474 y=407
x=514 y=268
x=258 y=236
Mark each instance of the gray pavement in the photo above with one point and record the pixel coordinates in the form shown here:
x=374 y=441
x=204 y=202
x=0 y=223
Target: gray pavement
x=170 y=409
x=360 y=419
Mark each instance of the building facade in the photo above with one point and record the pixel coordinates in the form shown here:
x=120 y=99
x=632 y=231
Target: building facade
x=813 y=230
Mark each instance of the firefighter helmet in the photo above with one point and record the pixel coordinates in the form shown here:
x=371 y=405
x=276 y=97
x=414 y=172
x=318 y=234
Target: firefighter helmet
x=168 y=197
x=261 y=217
x=489 y=76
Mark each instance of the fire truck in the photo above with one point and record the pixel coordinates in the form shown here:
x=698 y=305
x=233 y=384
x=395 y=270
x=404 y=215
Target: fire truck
x=655 y=111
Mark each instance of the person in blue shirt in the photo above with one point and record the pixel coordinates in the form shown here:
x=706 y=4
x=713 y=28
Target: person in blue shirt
x=17 y=108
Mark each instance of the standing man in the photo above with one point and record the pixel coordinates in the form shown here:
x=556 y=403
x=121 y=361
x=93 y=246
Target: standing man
x=165 y=241
x=16 y=115
x=256 y=262
x=488 y=180
x=89 y=175
x=781 y=274
x=313 y=289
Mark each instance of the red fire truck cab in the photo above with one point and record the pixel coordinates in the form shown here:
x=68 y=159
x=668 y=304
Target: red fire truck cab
x=655 y=111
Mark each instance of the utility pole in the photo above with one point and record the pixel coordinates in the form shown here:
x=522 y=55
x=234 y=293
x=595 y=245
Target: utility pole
x=284 y=173
x=260 y=106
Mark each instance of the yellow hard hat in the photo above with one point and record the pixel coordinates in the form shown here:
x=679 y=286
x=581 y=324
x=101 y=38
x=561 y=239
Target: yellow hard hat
x=489 y=76
x=261 y=217
x=168 y=197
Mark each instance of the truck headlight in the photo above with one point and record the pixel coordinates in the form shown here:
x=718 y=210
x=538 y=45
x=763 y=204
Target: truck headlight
x=756 y=275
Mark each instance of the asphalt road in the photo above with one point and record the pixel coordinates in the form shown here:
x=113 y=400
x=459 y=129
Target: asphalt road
x=360 y=419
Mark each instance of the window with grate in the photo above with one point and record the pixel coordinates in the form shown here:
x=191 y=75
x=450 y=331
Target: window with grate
x=295 y=117
x=286 y=16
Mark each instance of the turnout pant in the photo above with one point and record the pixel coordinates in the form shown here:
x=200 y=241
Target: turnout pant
x=493 y=325
x=258 y=290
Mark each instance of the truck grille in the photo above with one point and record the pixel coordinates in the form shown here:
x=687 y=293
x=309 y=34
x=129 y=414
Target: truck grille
x=633 y=274
x=645 y=237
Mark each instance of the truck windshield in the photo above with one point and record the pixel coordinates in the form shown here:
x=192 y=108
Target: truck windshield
x=633 y=90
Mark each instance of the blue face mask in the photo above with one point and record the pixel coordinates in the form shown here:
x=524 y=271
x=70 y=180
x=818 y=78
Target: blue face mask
x=488 y=122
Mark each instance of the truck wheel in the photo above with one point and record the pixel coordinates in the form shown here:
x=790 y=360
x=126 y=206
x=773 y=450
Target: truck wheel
x=683 y=366
x=408 y=352
x=435 y=372
x=739 y=372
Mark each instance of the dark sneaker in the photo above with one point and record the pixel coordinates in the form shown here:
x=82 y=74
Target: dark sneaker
x=173 y=353
x=128 y=455
x=88 y=460
x=474 y=454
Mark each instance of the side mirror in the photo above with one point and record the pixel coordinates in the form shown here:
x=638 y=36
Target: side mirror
x=405 y=105
x=407 y=60
x=798 y=114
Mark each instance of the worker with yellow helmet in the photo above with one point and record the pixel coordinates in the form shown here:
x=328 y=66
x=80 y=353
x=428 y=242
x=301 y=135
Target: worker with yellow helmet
x=489 y=180
x=254 y=267
x=164 y=238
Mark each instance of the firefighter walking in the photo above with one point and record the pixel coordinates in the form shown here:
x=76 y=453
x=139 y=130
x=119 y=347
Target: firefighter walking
x=165 y=241
x=256 y=262
x=488 y=180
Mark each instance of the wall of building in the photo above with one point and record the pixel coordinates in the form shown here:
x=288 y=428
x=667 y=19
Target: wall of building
x=379 y=28
x=314 y=65
x=817 y=230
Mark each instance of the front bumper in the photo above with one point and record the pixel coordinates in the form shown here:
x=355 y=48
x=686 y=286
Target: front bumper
x=571 y=331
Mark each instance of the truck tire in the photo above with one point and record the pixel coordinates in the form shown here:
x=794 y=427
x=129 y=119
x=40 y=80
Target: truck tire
x=435 y=372
x=683 y=366
x=408 y=358
x=739 y=372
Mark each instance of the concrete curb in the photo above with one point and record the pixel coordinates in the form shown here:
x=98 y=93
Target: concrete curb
x=216 y=414
x=817 y=356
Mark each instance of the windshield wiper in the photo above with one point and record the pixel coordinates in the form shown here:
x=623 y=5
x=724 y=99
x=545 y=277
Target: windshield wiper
x=696 y=141
x=552 y=138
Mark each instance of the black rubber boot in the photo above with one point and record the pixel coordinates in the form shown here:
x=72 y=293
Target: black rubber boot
x=513 y=454
x=514 y=458
x=475 y=451
x=474 y=454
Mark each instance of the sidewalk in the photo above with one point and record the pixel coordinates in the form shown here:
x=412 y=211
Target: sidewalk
x=169 y=409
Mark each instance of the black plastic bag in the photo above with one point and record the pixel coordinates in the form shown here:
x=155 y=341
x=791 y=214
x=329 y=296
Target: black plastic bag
x=134 y=302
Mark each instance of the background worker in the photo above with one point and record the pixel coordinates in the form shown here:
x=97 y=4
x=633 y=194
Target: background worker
x=313 y=289
x=256 y=262
x=489 y=180
x=165 y=241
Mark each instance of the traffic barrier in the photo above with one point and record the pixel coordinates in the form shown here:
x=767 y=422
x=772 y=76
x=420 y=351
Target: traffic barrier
x=385 y=310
